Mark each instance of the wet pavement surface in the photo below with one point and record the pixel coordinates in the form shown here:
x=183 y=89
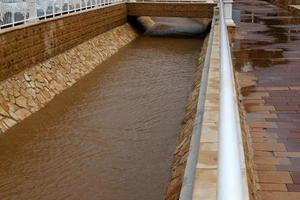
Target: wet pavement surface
x=111 y=135
x=267 y=47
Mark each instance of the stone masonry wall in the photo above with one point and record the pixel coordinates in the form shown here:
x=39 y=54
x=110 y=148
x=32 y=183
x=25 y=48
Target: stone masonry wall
x=26 y=45
x=31 y=89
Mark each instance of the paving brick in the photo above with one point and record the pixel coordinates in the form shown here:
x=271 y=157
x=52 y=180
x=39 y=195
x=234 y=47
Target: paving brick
x=277 y=88
x=293 y=187
x=263 y=134
x=290 y=168
x=296 y=177
x=287 y=154
x=292 y=146
x=263 y=153
x=295 y=161
x=269 y=146
x=260 y=108
x=264 y=140
x=273 y=187
x=262 y=124
x=279 y=195
x=271 y=160
x=274 y=177
x=265 y=167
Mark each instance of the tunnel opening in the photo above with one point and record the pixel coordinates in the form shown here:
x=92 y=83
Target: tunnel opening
x=171 y=26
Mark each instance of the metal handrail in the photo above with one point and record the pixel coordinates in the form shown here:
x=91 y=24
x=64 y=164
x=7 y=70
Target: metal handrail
x=230 y=183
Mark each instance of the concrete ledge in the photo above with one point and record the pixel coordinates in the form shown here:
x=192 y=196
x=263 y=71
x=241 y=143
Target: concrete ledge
x=205 y=185
x=161 y=9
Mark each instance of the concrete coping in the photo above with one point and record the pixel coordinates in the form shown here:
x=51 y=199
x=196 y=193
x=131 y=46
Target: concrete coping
x=206 y=169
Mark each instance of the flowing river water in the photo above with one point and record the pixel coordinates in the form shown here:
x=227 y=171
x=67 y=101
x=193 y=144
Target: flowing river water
x=112 y=134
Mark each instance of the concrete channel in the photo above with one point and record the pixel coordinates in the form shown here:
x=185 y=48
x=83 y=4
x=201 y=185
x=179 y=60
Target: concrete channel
x=101 y=120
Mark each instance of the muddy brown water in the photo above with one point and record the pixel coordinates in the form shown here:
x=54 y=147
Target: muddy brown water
x=112 y=134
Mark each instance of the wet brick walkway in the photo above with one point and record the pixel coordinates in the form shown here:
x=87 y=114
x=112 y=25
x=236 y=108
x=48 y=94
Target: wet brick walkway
x=267 y=47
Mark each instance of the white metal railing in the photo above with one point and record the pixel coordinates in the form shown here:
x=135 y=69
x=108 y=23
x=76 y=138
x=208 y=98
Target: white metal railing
x=230 y=183
x=15 y=12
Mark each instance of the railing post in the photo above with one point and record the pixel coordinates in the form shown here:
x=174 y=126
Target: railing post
x=228 y=12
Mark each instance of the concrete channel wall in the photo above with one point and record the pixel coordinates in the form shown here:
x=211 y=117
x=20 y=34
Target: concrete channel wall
x=41 y=60
x=180 y=155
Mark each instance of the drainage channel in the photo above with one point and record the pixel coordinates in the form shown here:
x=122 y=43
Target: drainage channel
x=112 y=134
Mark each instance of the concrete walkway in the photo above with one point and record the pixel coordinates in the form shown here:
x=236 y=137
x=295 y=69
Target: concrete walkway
x=267 y=48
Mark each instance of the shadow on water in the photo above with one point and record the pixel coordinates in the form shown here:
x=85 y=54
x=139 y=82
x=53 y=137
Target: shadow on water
x=111 y=135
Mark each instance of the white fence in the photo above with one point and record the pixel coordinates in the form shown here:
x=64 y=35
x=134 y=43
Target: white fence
x=15 y=12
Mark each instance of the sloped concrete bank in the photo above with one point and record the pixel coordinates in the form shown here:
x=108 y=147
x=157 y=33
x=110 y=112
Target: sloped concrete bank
x=31 y=89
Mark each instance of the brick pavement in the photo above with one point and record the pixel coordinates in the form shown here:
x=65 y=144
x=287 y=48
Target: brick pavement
x=267 y=47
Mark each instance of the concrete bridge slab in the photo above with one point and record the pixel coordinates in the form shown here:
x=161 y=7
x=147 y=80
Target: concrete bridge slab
x=171 y=9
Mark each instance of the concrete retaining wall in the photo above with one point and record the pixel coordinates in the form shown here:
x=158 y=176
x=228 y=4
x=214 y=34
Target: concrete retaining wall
x=182 y=150
x=41 y=60
x=169 y=9
x=31 y=89
x=24 y=46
